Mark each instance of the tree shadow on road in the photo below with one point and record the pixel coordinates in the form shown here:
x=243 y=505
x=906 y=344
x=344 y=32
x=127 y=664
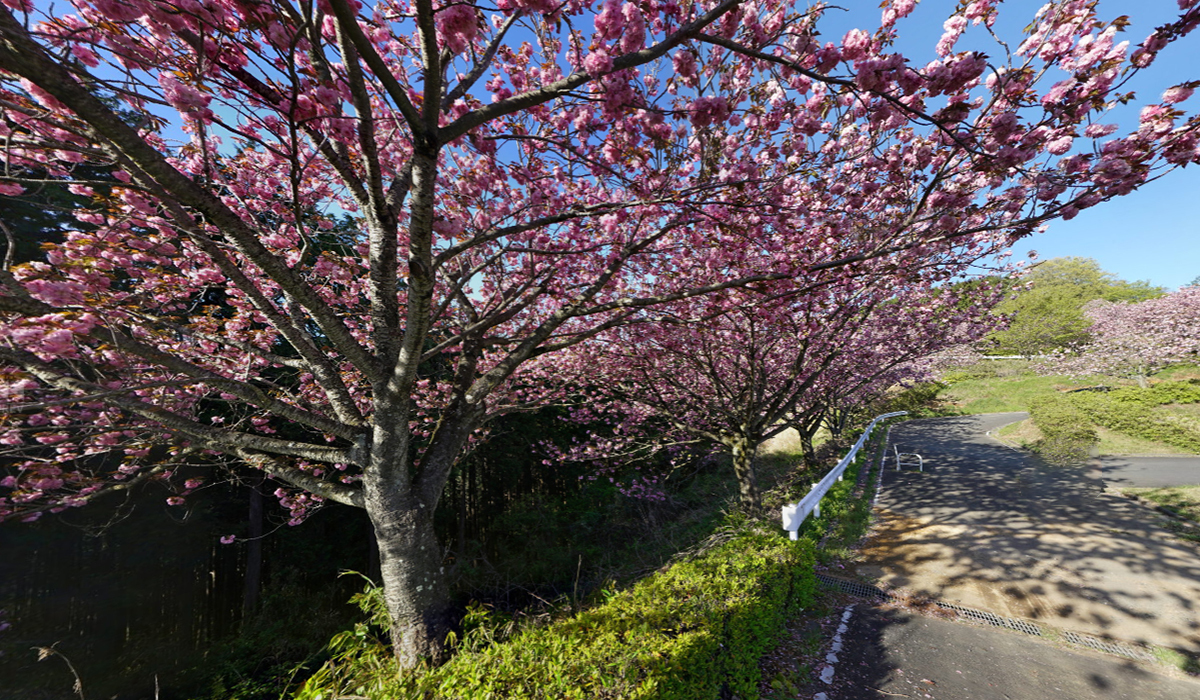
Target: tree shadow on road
x=991 y=527
x=896 y=653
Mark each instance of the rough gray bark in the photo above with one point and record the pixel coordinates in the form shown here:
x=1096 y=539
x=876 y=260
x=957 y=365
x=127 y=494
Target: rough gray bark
x=414 y=581
x=743 y=450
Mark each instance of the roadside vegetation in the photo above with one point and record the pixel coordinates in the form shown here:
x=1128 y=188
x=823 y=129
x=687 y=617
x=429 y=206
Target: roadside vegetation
x=688 y=611
x=1180 y=502
x=1075 y=417
x=538 y=560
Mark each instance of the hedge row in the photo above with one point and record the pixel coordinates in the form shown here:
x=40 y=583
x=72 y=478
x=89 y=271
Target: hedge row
x=687 y=633
x=1160 y=394
x=1067 y=434
x=1066 y=421
x=695 y=631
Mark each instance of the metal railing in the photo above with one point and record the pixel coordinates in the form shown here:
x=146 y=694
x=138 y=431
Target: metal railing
x=795 y=514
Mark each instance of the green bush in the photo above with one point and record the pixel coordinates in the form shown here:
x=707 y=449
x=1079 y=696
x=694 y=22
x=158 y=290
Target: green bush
x=1130 y=411
x=1068 y=435
x=686 y=633
x=980 y=370
x=918 y=400
x=692 y=631
x=1066 y=421
x=1160 y=394
x=695 y=630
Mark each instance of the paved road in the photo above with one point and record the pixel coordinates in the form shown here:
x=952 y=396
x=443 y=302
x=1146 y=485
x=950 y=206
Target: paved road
x=989 y=527
x=1153 y=472
x=895 y=654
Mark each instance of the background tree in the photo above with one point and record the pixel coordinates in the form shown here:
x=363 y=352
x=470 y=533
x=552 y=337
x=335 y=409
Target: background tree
x=732 y=372
x=522 y=180
x=1135 y=340
x=1046 y=309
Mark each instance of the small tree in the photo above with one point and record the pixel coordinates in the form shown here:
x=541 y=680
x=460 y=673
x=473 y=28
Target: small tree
x=735 y=373
x=1047 y=305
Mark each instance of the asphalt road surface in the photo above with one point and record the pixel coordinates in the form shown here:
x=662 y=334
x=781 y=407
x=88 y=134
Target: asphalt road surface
x=992 y=528
x=892 y=654
x=1153 y=472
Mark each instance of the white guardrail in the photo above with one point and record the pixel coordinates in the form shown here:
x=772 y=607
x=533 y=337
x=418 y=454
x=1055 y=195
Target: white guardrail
x=794 y=514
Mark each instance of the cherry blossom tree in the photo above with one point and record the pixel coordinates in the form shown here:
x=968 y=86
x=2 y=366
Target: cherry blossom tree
x=747 y=370
x=1135 y=340
x=520 y=178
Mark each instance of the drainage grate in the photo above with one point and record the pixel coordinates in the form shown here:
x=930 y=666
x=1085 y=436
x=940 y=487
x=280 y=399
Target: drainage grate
x=852 y=587
x=983 y=617
x=994 y=620
x=1129 y=652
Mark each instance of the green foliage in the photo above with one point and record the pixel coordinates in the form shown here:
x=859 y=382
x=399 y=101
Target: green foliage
x=1068 y=435
x=1049 y=314
x=360 y=661
x=1131 y=411
x=1013 y=388
x=1066 y=420
x=694 y=630
x=684 y=633
x=919 y=400
x=1180 y=501
x=271 y=649
x=980 y=370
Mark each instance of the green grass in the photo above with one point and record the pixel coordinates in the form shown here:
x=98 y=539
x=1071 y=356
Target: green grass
x=642 y=636
x=1010 y=385
x=998 y=386
x=1025 y=434
x=1022 y=433
x=1011 y=392
x=1179 y=373
x=1181 y=501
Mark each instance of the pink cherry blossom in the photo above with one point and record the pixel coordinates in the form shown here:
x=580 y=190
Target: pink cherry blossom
x=364 y=234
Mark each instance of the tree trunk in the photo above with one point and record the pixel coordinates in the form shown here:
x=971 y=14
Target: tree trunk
x=414 y=582
x=372 y=553
x=806 y=448
x=743 y=466
x=252 y=584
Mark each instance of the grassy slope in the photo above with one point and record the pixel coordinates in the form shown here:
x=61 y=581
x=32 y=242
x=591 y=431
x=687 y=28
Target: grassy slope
x=1012 y=388
x=1024 y=433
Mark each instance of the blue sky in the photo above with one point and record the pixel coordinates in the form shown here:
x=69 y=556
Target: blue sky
x=1148 y=235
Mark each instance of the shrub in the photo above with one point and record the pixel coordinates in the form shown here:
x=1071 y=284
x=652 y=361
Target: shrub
x=1130 y=411
x=977 y=371
x=685 y=633
x=1068 y=435
x=1066 y=421
x=692 y=631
